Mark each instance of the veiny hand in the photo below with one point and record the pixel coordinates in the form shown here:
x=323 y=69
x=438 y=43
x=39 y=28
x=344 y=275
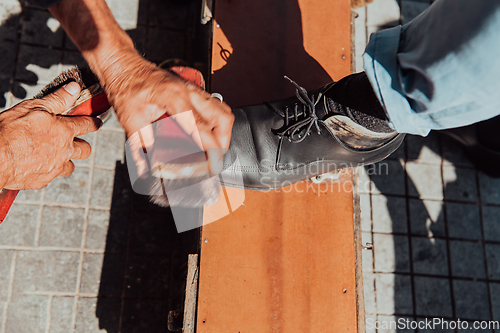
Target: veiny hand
x=141 y=93
x=37 y=142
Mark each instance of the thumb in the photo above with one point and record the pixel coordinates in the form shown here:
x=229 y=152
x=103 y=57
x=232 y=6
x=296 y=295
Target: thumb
x=61 y=99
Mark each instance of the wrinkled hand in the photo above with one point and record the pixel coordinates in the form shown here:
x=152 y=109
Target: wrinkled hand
x=37 y=143
x=141 y=93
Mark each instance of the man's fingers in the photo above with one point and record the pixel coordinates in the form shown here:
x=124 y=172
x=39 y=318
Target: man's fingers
x=214 y=152
x=222 y=131
x=68 y=169
x=81 y=125
x=82 y=149
x=204 y=101
x=61 y=99
x=216 y=114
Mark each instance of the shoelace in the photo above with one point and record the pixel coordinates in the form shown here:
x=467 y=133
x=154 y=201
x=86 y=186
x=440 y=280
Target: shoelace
x=294 y=131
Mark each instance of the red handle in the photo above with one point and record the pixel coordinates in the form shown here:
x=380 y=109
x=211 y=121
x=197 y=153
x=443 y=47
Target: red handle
x=6 y=199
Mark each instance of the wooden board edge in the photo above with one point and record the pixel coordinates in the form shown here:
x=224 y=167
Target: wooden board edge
x=358 y=245
x=191 y=300
x=358 y=252
x=353 y=42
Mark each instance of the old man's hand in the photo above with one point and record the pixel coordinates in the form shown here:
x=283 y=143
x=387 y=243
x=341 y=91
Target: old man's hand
x=37 y=143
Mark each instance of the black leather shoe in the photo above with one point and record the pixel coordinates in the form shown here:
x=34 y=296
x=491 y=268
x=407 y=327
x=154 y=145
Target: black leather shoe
x=284 y=142
x=481 y=143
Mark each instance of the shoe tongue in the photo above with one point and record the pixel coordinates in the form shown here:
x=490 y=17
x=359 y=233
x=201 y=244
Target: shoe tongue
x=325 y=107
x=322 y=108
x=329 y=100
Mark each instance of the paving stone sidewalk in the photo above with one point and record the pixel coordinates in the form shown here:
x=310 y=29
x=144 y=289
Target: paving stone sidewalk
x=434 y=221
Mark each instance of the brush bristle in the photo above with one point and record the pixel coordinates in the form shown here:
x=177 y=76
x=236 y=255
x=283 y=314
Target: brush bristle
x=83 y=76
x=194 y=196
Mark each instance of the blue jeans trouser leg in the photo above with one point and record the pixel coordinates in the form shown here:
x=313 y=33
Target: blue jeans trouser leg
x=441 y=70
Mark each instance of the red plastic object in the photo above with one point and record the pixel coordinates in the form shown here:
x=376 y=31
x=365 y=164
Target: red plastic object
x=6 y=199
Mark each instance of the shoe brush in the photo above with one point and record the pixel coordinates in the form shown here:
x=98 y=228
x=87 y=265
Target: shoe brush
x=169 y=165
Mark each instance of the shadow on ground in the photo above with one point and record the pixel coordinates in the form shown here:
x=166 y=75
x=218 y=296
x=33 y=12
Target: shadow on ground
x=144 y=270
x=435 y=224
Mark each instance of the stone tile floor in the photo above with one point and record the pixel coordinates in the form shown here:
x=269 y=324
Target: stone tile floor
x=85 y=254
x=434 y=221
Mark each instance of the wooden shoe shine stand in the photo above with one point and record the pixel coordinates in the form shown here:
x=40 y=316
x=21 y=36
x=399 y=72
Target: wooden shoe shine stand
x=285 y=260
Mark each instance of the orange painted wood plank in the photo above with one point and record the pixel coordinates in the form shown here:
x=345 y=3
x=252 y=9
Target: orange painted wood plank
x=280 y=262
x=257 y=42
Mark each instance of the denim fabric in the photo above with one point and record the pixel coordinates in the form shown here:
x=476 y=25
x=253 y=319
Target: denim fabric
x=43 y=3
x=442 y=69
